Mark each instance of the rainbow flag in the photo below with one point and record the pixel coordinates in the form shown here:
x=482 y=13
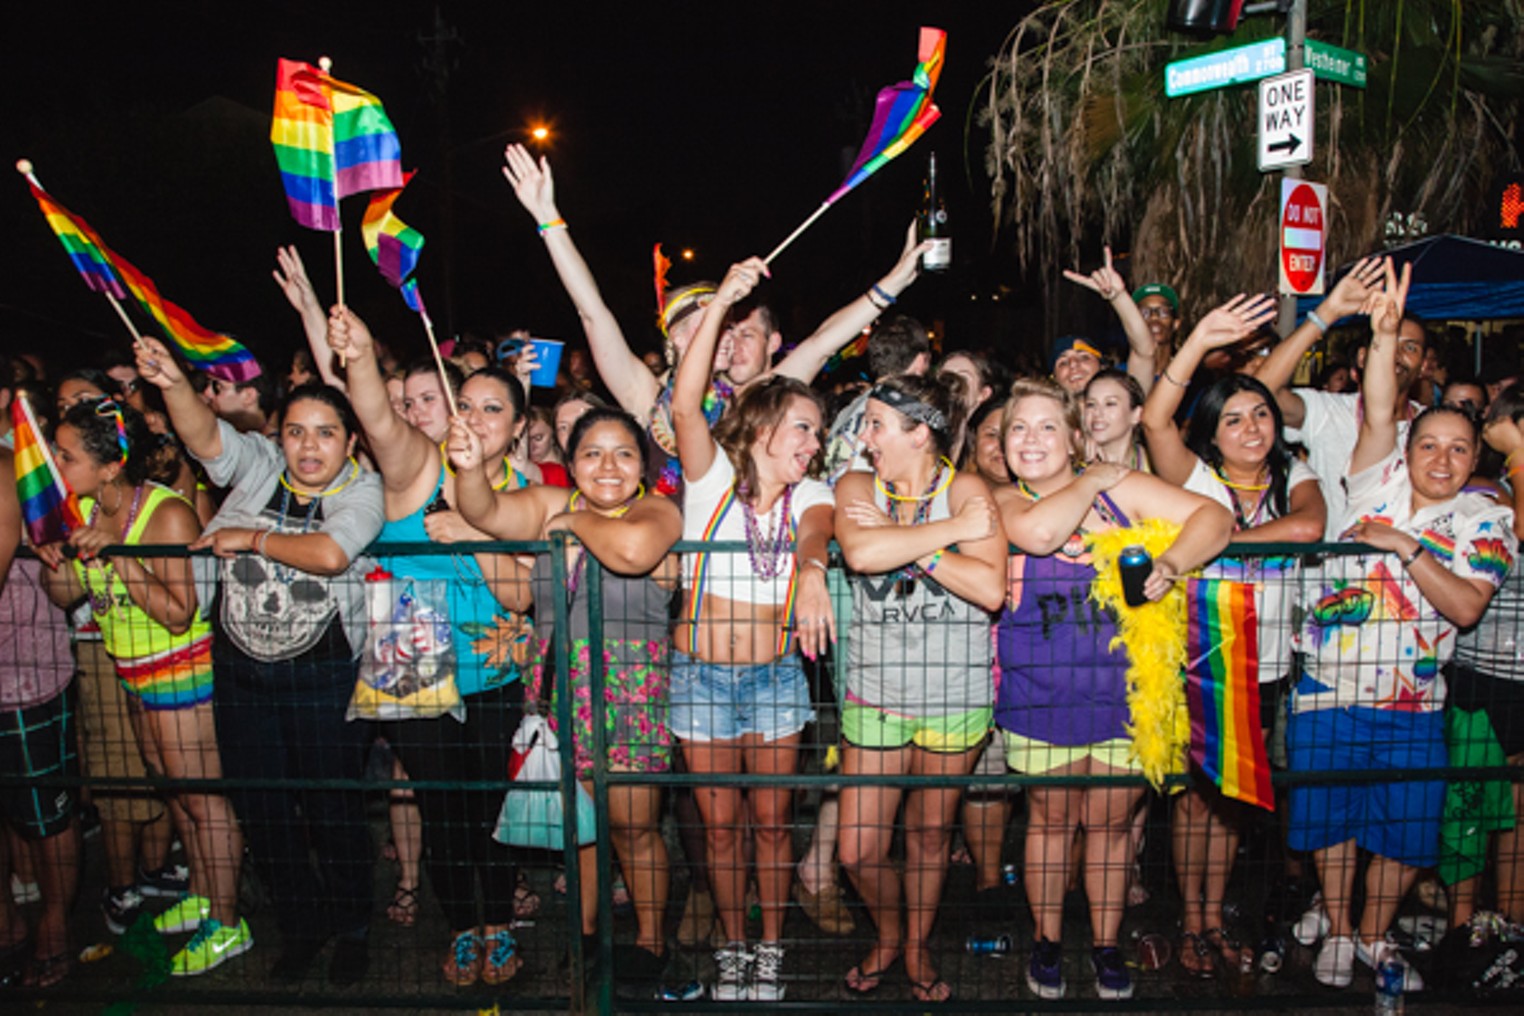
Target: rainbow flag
x=857 y=347
x=393 y=245
x=83 y=246
x=1222 y=689
x=206 y=350
x=48 y=506
x=331 y=140
x=901 y=113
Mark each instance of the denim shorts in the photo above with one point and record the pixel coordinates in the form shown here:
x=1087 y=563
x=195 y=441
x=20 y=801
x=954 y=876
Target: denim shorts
x=726 y=701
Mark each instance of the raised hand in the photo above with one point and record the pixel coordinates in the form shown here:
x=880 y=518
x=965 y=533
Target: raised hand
x=1386 y=304
x=291 y=276
x=155 y=364
x=741 y=280
x=1234 y=321
x=1105 y=280
x=1349 y=293
x=347 y=334
x=908 y=268
x=531 y=182
x=463 y=445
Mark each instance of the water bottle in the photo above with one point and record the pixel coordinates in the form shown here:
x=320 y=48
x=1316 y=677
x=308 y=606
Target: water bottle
x=1272 y=954
x=988 y=945
x=1389 y=978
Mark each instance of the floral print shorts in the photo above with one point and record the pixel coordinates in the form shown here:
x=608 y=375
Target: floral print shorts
x=635 y=690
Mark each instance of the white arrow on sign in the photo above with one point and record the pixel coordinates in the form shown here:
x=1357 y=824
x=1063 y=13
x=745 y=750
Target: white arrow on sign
x=1286 y=114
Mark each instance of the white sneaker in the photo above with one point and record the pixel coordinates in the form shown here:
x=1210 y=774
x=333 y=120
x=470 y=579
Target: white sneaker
x=1335 y=965
x=1424 y=929
x=1387 y=952
x=731 y=982
x=1312 y=925
x=767 y=973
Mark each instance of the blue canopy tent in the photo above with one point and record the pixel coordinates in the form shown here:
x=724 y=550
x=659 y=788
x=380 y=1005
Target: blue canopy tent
x=1454 y=279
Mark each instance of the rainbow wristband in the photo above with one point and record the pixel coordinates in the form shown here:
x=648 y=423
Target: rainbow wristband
x=546 y=227
x=931 y=565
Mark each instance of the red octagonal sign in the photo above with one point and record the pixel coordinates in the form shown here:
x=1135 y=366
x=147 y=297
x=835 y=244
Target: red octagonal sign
x=1302 y=233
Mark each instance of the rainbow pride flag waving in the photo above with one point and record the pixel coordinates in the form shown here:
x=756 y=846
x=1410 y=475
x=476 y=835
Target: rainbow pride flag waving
x=1222 y=689
x=108 y=272
x=901 y=113
x=393 y=245
x=48 y=506
x=331 y=140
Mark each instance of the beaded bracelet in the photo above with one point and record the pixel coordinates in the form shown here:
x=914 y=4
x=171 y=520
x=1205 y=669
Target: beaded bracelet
x=546 y=227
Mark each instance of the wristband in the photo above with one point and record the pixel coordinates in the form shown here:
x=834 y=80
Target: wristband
x=1312 y=316
x=931 y=565
x=880 y=307
x=889 y=301
x=546 y=227
x=1407 y=562
x=1178 y=384
x=259 y=542
x=815 y=562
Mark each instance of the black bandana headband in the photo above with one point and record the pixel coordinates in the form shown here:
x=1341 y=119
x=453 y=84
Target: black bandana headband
x=910 y=406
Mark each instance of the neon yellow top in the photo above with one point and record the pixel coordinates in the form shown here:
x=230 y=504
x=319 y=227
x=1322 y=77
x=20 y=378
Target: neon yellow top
x=128 y=631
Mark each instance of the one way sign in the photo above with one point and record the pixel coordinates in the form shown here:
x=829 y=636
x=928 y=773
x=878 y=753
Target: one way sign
x=1285 y=120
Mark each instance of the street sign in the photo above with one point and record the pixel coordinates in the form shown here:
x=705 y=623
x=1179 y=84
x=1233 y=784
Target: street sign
x=1303 y=231
x=1225 y=67
x=1335 y=63
x=1285 y=120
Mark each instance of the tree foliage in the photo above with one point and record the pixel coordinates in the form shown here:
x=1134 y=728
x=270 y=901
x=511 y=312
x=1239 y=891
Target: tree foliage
x=1084 y=141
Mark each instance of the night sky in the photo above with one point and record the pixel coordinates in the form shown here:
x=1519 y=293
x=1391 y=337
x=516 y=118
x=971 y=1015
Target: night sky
x=708 y=126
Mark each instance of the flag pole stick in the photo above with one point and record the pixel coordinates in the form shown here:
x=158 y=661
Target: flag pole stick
x=116 y=305
x=444 y=379
x=326 y=66
x=806 y=224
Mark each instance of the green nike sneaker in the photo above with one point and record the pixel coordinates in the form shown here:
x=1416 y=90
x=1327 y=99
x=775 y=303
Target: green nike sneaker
x=186 y=915
x=211 y=946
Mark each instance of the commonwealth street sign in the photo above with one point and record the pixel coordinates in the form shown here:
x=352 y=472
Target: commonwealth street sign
x=1225 y=67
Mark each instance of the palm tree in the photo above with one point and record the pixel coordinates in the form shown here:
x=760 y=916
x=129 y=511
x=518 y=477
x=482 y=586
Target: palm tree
x=1083 y=139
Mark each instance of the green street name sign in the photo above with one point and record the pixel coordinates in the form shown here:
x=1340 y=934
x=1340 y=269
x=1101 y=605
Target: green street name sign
x=1226 y=67
x=1335 y=63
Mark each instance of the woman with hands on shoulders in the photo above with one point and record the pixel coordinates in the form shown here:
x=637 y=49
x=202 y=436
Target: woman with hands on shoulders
x=630 y=534
x=929 y=552
x=486 y=591
x=1378 y=630
x=1063 y=688
x=287 y=606
x=740 y=700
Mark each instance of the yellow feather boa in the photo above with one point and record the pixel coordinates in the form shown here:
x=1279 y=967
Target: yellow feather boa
x=1154 y=634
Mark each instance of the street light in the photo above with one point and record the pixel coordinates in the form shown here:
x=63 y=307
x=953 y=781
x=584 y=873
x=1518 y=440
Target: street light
x=687 y=253
x=540 y=133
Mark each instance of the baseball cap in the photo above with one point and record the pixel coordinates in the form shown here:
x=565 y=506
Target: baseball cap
x=1157 y=289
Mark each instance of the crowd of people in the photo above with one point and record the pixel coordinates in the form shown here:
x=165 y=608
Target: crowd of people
x=963 y=635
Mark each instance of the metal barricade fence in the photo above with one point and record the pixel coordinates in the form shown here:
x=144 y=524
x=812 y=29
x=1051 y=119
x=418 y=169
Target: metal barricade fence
x=992 y=864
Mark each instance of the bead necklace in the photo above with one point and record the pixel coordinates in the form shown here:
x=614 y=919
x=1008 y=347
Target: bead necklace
x=574 y=576
x=100 y=602
x=768 y=552
x=905 y=578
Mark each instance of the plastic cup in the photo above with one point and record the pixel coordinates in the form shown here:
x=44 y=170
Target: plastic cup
x=547 y=353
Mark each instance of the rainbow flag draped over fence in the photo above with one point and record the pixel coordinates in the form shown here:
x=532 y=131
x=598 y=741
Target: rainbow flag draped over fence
x=393 y=245
x=109 y=272
x=48 y=506
x=1222 y=689
x=901 y=113
x=331 y=140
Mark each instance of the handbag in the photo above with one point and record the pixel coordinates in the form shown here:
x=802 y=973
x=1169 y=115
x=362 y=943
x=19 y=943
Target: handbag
x=535 y=817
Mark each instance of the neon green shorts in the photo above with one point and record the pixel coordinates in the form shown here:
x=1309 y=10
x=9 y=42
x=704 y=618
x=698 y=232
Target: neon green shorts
x=868 y=726
x=1037 y=757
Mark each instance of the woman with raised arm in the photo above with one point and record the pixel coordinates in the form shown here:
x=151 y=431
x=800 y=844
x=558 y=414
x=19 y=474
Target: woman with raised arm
x=287 y=605
x=1236 y=456
x=740 y=699
x=929 y=553
x=1378 y=629
x=629 y=533
x=485 y=591
x=162 y=647
x=1063 y=688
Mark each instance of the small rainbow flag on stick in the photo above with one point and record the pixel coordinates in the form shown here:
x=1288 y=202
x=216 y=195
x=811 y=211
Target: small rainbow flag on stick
x=107 y=272
x=331 y=140
x=48 y=506
x=392 y=244
x=901 y=114
x=1222 y=689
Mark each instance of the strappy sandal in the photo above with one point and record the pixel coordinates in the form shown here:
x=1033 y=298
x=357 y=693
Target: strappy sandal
x=526 y=902
x=1197 y=957
x=403 y=908
x=48 y=971
x=1231 y=952
x=503 y=960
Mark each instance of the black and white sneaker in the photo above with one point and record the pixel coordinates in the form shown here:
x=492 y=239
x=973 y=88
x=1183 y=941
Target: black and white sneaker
x=121 y=908
x=169 y=882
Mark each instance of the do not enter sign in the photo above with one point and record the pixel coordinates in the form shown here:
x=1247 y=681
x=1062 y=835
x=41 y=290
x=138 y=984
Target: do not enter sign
x=1303 y=229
